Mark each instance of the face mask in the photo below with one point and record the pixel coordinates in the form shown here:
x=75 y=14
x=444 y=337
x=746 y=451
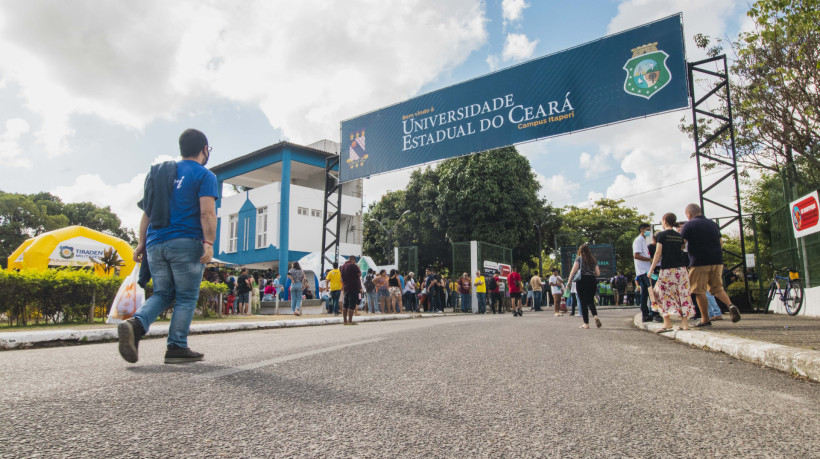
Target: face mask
x=647 y=234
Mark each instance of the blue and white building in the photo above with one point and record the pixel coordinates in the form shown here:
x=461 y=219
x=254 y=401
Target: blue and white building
x=271 y=203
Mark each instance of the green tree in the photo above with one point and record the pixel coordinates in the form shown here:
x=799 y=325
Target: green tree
x=490 y=197
x=24 y=216
x=774 y=81
x=608 y=221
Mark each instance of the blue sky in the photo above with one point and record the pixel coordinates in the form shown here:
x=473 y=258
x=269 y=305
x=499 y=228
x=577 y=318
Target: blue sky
x=91 y=93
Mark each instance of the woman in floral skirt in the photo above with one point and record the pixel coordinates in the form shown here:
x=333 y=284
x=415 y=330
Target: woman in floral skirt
x=672 y=294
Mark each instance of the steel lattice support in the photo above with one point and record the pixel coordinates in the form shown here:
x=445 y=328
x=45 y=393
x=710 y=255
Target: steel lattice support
x=332 y=211
x=706 y=189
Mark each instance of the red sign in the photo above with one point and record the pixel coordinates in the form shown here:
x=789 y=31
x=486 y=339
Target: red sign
x=805 y=213
x=504 y=270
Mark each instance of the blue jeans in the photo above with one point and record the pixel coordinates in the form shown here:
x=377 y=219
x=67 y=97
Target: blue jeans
x=177 y=274
x=481 y=297
x=466 y=303
x=295 y=296
x=536 y=300
x=714 y=309
x=643 y=280
x=334 y=301
x=372 y=299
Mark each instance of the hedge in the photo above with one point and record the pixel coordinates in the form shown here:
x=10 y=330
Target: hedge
x=68 y=296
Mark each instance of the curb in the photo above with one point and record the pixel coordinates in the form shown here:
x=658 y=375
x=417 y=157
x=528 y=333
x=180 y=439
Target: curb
x=18 y=340
x=802 y=362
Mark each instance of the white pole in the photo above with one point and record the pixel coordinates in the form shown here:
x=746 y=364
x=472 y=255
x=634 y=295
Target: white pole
x=473 y=269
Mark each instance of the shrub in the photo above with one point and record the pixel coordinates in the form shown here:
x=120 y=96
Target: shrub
x=70 y=296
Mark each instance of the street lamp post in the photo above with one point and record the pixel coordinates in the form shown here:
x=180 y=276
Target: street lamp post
x=540 y=250
x=390 y=234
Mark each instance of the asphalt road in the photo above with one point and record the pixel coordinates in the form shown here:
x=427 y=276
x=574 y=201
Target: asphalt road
x=463 y=386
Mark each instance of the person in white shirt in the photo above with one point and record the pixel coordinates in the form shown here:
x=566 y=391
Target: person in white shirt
x=640 y=252
x=557 y=285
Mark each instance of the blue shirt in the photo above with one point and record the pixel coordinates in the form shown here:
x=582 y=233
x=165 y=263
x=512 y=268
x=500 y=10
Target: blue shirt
x=193 y=182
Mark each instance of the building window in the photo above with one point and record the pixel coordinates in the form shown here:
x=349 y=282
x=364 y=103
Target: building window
x=302 y=211
x=315 y=213
x=233 y=224
x=261 y=227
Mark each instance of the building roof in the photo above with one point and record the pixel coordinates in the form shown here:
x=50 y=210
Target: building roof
x=262 y=152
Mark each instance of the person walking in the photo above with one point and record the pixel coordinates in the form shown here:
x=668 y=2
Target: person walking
x=351 y=278
x=673 y=280
x=334 y=279
x=464 y=286
x=557 y=286
x=177 y=231
x=480 y=292
x=514 y=283
x=640 y=253
x=537 y=288
x=587 y=265
x=703 y=243
x=297 y=278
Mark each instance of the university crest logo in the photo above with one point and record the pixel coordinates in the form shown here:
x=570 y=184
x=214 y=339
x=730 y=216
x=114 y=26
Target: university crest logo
x=66 y=252
x=646 y=71
x=357 y=154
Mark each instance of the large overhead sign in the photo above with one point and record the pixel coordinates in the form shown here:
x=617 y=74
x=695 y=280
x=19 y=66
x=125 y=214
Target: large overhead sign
x=628 y=75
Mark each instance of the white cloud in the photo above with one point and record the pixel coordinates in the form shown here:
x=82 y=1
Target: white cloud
x=513 y=10
x=131 y=63
x=595 y=165
x=699 y=16
x=378 y=185
x=11 y=154
x=492 y=62
x=121 y=197
x=535 y=151
x=518 y=47
x=557 y=189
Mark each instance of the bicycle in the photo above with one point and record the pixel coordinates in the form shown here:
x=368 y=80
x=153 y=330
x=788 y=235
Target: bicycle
x=791 y=294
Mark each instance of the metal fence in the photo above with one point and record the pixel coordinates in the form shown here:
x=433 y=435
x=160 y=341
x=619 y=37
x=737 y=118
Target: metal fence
x=787 y=251
x=408 y=260
x=486 y=252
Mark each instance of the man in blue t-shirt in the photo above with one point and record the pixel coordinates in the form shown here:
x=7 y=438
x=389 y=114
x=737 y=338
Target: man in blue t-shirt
x=176 y=249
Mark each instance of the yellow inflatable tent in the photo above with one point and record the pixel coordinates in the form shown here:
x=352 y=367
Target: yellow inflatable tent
x=70 y=246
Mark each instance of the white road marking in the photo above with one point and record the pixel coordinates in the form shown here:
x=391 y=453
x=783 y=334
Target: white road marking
x=285 y=358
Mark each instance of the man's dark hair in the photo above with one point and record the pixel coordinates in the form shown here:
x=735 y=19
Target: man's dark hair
x=555 y=270
x=191 y=142
x=335 y=264
x=535 y=272
x=643 y=226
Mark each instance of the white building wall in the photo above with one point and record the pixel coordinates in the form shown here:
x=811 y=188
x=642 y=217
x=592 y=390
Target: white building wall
x=305 y=230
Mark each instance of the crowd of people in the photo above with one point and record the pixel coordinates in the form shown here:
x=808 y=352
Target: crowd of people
x=676 y=271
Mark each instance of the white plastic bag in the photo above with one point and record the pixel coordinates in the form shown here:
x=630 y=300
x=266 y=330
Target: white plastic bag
x=129 y=298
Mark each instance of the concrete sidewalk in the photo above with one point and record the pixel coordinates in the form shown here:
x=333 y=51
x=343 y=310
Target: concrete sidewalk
x=780 y=342
x=26 y=339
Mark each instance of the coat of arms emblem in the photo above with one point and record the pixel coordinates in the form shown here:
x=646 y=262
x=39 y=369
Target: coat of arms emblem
x=356 y=153
x=646 y=71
